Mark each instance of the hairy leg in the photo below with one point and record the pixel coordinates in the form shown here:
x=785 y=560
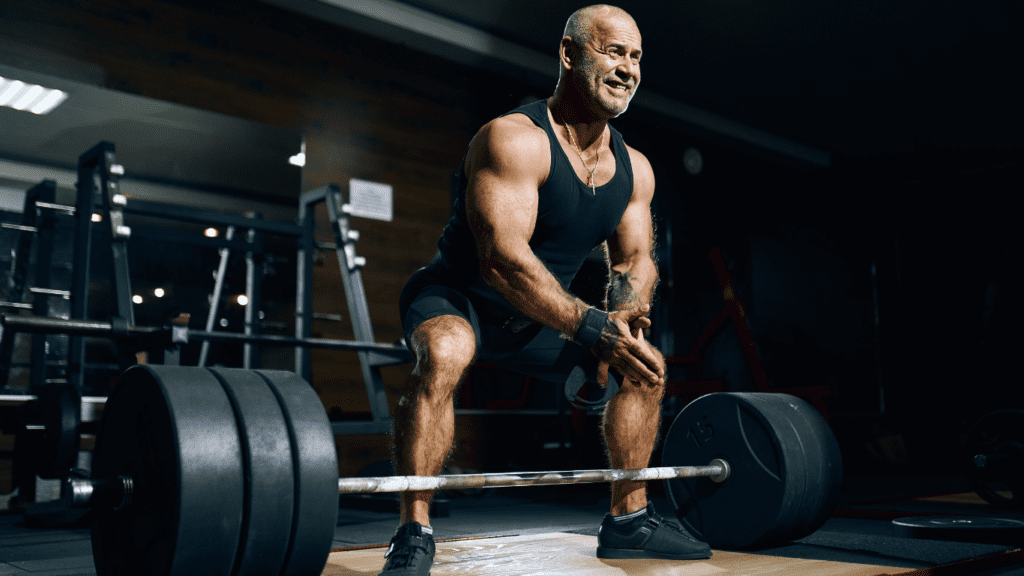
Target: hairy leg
x=630 y=426
x=425 y=417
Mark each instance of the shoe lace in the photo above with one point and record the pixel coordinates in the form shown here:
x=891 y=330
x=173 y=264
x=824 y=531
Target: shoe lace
x=405 y=557
x=674 y=528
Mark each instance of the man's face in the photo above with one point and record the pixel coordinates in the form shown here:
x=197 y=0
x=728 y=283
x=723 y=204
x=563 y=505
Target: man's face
x=609 y=65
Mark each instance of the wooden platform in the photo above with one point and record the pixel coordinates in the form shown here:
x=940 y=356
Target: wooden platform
x=560 y=554
x=958 y=498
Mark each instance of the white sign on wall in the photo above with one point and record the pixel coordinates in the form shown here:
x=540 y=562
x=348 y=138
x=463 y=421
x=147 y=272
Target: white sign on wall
x=371 y=200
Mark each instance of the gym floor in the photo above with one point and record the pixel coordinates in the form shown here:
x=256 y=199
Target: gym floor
x=859 y=533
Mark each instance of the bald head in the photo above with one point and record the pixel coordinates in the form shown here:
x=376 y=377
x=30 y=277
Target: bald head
x=581 y=24
x=599 y=60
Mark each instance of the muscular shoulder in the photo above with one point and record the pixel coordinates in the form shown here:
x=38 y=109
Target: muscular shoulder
x=643 y=174
x=511 y=142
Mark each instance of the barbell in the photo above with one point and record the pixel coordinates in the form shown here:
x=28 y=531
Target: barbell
x=166 y=337
x=231 y=471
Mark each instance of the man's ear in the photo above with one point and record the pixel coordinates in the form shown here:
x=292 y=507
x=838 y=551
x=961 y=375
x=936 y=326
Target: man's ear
x=567 y=53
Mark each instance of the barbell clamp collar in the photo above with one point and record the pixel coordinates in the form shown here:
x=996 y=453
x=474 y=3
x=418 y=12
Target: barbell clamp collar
x=722 y=476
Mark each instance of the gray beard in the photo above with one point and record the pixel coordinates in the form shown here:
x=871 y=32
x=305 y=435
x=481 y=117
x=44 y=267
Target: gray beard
x=588 y=67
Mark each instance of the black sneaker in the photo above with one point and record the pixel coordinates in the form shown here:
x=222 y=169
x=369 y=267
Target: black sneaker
x=411 y=552
x=651 y=537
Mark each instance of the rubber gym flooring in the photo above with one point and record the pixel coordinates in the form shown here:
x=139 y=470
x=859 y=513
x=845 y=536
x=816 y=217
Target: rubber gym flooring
x=552 y=530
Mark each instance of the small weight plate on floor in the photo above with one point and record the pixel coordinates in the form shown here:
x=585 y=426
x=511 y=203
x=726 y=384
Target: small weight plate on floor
x=315 y=461
x=269 y=473
x=993 y=458
x=975 y=529
x=173 y=430
x=777 y=489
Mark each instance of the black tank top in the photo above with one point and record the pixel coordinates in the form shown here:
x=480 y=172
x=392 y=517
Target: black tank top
x=571 y=220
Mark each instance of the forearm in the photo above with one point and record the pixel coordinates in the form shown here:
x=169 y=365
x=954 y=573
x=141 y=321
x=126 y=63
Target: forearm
x=632 y=283
x=531 y=288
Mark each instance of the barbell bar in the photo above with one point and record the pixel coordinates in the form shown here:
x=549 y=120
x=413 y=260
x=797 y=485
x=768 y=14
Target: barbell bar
x=717 y=470
x=57 y=207
x=179 y=334
x=19 y=227
x=117 y=492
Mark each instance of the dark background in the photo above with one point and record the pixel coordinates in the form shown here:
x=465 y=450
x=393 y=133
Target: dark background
x=885 y=272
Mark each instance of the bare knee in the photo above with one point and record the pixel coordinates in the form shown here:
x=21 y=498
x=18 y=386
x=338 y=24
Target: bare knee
x=444 y=347
x=652 y=391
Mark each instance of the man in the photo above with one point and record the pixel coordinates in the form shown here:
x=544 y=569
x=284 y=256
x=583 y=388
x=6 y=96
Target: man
x=540 y=188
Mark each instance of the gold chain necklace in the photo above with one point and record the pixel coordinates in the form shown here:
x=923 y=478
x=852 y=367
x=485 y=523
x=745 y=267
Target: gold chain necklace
x=580 y=154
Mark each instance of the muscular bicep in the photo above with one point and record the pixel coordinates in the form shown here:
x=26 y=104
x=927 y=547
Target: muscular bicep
x=633 y=238
x=501 y=196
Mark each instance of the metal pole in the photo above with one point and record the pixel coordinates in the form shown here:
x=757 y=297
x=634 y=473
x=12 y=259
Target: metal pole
x=304 y=275
x=254 y=296
x=218 y=287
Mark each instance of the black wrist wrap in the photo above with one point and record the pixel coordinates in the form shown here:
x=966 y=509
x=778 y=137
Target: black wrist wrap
x=590 y=331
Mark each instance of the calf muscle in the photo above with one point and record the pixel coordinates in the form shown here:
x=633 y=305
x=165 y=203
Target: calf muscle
x=424 y=427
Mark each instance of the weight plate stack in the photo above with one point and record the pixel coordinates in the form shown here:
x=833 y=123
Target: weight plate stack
x=786 y=469
x=269 y=473
x=315 y=461
x=174 y=431
x=823 y=463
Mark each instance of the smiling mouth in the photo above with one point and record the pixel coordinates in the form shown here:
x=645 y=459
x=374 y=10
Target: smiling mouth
x=616 y=86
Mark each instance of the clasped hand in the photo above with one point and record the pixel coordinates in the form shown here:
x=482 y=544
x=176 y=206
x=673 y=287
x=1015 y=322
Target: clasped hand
x=622 y=346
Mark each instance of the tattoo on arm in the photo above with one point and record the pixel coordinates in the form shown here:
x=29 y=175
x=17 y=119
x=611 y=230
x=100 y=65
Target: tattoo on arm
x=621 y=292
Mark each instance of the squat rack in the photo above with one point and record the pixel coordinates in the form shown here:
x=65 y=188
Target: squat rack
x=98 y=165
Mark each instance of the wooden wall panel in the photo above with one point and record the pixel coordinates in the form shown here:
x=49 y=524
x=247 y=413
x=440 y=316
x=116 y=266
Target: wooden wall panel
x=367 y=109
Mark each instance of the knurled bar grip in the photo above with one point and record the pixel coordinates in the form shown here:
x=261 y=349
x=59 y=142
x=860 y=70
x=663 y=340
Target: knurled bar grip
x=717 y=470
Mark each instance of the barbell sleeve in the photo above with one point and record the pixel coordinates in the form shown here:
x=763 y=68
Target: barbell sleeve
x=114 y=493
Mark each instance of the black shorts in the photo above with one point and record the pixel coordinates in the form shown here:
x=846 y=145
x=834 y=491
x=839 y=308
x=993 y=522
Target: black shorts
x=535 y=350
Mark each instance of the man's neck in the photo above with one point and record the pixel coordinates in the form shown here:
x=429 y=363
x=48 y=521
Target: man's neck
x=586 y=126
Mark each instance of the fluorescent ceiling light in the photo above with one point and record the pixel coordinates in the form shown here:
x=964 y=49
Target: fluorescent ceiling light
x=29 y=97
x=9 y=89
x=49 y=102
